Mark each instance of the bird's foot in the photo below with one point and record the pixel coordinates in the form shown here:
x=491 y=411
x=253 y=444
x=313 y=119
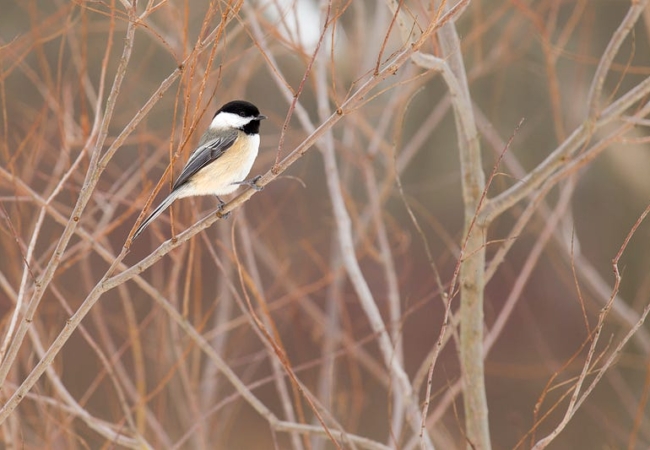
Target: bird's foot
x=220 y=212
x=252 y=183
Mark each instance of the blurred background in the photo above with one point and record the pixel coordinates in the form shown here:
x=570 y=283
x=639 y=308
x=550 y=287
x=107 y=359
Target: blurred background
x=271 y=278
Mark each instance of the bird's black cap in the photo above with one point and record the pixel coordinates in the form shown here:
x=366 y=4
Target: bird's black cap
x=241 y=108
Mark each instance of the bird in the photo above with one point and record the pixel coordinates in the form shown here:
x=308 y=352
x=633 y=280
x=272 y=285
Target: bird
x=221 y=161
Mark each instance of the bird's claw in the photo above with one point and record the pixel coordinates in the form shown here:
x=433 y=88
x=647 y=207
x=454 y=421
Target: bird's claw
x=252 y=183
x=220 y=212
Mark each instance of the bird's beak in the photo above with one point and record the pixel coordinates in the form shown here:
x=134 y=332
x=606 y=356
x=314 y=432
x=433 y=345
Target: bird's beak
x=261 y=117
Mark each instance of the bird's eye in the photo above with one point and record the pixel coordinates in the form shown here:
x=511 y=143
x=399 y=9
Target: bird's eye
x=242 y=113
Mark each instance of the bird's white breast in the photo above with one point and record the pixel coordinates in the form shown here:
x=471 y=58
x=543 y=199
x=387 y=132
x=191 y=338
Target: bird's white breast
x=234 y=165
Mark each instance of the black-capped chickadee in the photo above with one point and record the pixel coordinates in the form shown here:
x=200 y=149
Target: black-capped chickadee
x=224 y=157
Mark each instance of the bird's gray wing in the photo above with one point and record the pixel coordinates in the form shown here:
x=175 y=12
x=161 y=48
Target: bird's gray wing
x=206 y=153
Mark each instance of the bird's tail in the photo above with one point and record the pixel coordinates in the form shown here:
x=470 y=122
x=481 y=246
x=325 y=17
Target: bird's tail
x=156 y=212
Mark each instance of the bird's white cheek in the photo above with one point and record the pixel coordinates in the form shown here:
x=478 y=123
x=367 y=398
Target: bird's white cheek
x=228 y=120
